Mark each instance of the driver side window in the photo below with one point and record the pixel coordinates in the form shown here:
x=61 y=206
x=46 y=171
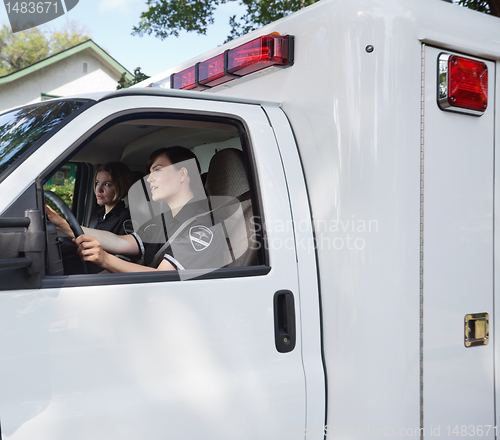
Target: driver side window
x=225 y=161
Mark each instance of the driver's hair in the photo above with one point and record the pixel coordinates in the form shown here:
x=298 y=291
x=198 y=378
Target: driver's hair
x=121 y=177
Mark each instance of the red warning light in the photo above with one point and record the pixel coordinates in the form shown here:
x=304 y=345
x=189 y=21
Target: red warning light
x=269 y=50
x=211 y=72
x=468 y=83
x=463 y=84
x=184 y=80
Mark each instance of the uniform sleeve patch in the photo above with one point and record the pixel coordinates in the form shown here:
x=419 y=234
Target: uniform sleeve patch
x=200 y=237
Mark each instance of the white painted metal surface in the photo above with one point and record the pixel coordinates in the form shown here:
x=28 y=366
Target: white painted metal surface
x=496 y=268
x=308 y=278
x=356 y=118
x=190 y=360
x=458 y=261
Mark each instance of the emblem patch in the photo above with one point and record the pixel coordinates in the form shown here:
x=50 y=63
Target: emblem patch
x=200 y=237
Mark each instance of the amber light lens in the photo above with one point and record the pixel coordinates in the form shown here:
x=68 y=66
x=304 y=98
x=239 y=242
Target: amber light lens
x=467 y=84
x=211 y=72
x=270 y=50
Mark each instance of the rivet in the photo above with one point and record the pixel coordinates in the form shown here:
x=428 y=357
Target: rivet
x=369 y=48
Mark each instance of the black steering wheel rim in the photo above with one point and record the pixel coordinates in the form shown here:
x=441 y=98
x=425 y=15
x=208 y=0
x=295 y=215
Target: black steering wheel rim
x=65 y=211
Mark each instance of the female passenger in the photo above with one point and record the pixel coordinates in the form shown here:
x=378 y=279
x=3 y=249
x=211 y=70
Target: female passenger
x=111 y=184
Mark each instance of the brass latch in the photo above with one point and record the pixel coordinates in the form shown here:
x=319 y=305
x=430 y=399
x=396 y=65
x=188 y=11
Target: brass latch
x=476 y=329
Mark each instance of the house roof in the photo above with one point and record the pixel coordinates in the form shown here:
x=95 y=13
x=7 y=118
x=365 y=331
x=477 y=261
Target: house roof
x=88 y=44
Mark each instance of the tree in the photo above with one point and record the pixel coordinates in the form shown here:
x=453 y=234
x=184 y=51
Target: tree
x=69 y=36
x=23 y=49
x=123 y=83
x=168 y=17
x=488 y=6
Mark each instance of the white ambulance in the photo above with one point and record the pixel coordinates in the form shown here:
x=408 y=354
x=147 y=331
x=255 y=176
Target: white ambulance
x=360 y=139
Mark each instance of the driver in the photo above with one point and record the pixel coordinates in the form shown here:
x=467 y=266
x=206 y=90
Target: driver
x=186 y=237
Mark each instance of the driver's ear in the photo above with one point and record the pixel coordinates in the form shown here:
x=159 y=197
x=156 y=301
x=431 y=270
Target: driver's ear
x=183 y=173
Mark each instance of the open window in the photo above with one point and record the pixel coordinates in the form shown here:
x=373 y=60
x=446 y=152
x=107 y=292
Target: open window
x=222 y=149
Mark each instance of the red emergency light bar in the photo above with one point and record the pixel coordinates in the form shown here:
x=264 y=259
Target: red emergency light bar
x=261 y=53
x=463 y=84
x=211 y=72
x=185 y=79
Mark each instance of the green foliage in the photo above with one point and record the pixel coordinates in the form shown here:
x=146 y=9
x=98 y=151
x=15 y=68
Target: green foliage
x=123 y=83
x=70 y=36
x=23 y=49
x=478 y=5
x=488 y=6
x=164 y=18
x=168 y=17
x=65 y=191
x=260 y=13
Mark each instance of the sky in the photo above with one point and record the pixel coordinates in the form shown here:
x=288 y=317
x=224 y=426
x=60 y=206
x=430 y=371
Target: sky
x=109 y=23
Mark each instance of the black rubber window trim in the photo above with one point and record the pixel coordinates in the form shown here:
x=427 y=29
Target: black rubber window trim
x=57 y=282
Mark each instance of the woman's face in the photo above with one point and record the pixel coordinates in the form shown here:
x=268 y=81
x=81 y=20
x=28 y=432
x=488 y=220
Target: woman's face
x=164 y=179
x=104 y=189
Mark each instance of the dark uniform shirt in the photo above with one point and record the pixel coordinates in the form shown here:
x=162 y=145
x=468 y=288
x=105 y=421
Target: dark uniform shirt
x=199 y=245
x=113 y=221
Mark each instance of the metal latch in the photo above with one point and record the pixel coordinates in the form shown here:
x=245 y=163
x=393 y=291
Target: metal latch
x=476 y=329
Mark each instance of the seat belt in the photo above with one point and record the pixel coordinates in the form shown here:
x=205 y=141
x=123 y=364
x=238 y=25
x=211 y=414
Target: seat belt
x=159 y=255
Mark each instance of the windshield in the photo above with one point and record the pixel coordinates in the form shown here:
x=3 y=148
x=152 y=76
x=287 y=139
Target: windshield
x=23 y=127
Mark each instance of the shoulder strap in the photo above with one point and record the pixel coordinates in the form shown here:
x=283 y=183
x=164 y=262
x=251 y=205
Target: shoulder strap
x=181 y=228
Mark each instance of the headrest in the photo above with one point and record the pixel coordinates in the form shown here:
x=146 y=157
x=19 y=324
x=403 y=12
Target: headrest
x=226 y=174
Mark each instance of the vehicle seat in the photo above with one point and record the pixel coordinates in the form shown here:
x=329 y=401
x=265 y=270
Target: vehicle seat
x=227 y=178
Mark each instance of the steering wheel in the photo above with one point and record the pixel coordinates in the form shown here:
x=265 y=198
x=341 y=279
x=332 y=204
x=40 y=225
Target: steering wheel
x=65 y=211
x=68 y=216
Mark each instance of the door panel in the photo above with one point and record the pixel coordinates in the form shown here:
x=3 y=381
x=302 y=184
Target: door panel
x=179 y=359
x=458 y=181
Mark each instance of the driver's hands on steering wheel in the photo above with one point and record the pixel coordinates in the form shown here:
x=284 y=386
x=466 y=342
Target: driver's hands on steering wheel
x=60 y=224
x=91 y=250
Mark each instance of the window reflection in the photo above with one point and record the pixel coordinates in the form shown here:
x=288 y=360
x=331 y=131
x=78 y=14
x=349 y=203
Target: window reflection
x=21 y=128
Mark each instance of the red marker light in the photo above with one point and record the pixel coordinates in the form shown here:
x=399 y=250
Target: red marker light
x=270 y=50
x=185 y=80
x=468 y=83
x=211 y=72
x=463 y=84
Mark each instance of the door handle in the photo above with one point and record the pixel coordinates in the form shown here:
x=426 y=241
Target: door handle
x=284 y=321
x=477 y=330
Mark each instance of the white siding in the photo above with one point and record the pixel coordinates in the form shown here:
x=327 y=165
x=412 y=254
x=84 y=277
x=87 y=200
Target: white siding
x=64 y=78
